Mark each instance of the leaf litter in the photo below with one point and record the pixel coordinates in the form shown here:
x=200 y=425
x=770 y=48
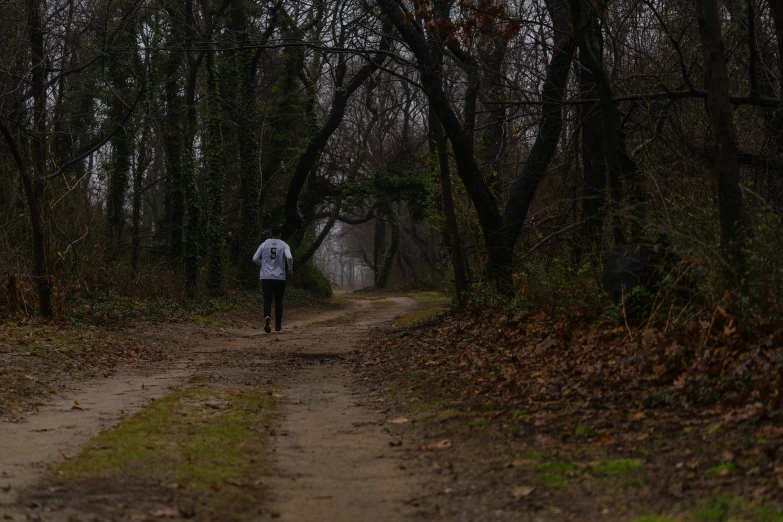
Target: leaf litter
x=674 y=404
x=40 y=358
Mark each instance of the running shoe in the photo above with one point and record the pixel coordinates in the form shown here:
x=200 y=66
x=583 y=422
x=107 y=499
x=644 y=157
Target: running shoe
x=268 y=324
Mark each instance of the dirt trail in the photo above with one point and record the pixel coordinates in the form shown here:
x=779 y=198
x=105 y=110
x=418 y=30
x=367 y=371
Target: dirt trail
x=59 y=429
x=331 y=458
x=333 y=461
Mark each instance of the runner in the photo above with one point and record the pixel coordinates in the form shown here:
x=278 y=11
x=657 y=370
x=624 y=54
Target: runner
x=275 y=259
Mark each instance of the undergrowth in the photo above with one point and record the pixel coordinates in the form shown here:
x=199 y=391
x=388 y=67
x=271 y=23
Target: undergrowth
x=113 y=310
x=116 y=295
x=208 y=441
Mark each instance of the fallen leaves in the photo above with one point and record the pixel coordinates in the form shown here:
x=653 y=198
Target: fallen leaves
x=399 y=420
x=637 y=416
x=61 y=352
x=522 y=491
x=437 y=446
x=769 y=431
x=169 y=512
x=579 y=392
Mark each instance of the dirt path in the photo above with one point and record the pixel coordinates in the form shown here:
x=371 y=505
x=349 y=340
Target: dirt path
x=61 y=428
x=331 y=459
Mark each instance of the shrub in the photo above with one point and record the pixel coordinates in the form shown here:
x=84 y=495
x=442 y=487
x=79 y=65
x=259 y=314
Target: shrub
x=309 y=278
x=558 y=287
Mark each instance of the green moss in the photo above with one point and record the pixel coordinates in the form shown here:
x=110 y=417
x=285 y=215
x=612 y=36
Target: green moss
x=198 y=437
x=768 y=514
x=513 y=429
x=490 y=405
x=725 y=507
x=424 y=406
x=618 y=467
x=717 y=470
x=553 y=474
x=430 y=298
x=709 y=514
x=583 y=431
x=557 y=467
x=532 y=455
x=653 y=518
x=431 y=305
x=553 y=481
x=450 y=414
x=478 y=423
x=419 y=317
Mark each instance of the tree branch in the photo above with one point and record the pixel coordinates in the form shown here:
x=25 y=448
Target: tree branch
x=101 y=142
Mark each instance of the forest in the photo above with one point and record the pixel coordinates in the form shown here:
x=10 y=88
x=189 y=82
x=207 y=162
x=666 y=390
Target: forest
x=486 y=148
x=573 y=207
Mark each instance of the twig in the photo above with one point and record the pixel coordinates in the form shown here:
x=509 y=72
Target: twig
x=625 y=316
x=547 y=238
x=712 y=322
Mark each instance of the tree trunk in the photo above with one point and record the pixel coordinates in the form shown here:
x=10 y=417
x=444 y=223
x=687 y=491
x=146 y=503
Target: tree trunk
x=191 y=223
x=36 y=222
x=118 y=185
x=173 y=138
x=730 y=204
x=250 y=183
x=378 y=243
x=545 y=146
x=483 y=200
x=138 y=179
x=215 y=175
x=121 y=144
x=620 y=165
x=384 y=268
x=452 y=227
x=192 y=220
x=492 y=138
x=245 y=117
x=35 y=188
x=593 y=167
x=773 y=119
x=776 y=10
x=439 y=145
x=13 y=291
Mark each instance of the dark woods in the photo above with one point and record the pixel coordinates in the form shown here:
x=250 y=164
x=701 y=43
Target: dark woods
x=545 y=151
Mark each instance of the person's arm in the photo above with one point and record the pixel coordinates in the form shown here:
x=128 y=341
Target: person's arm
x=289 y=259
x=257 y=256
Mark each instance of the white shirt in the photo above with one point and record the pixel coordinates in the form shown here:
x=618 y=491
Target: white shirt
x=274 y=256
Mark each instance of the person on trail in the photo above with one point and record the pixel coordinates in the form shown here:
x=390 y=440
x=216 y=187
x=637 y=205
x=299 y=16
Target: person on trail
x=275 y=259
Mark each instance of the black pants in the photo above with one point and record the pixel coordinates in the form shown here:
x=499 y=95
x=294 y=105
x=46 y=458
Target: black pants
x=273 y=288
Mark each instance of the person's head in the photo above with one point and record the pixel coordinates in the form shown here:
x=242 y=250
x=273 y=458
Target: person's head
x=277 y=231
